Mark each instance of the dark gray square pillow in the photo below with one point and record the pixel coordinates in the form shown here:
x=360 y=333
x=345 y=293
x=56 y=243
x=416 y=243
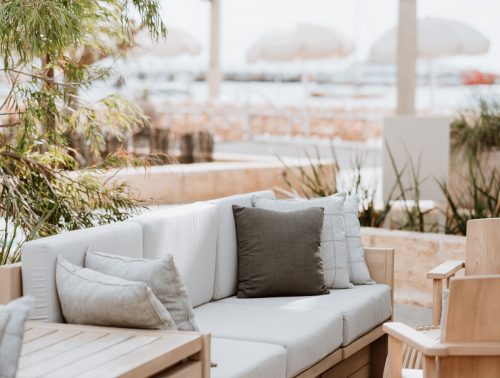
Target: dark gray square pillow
x=279 y=253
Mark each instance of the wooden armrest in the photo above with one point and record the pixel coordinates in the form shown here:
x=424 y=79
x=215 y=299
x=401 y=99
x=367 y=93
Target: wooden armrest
x=431 y=347
x=380 y=263
x=446 y=269
x=438 y=275
x=10 y=282
x=418 y=341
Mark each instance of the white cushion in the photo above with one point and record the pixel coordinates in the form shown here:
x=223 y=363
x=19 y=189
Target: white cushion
x=12 y=339
x=92 y=298
x=161 y=275
x=308 y=335
x=226 y=265
x=39 y=260
x=189 y=234
x=4 y=320
x=363 y=308
x=412 y=373
x=333 y=240
x=359 y=273
x=247 y=359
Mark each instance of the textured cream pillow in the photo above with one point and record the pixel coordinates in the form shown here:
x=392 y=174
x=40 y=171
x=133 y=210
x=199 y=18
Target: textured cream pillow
x=160 y=275
x=93 y=298
x=14 y=316
x=358 y=269
x=333 y=241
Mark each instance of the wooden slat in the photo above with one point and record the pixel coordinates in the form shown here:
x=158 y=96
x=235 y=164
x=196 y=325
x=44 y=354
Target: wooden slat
x=380 y=263
x=362 y=342
x=323 y=365
x=65 y=350
x=55 y=350
x=437 y=301
x=35 y=333
x=364 y=372
x=147 y=360
x=414 y=339
x=446 y=269
x=97 y=359
x=47 y=340
x=189 y=369
x=395 y=359
x=349 y=366
x=473 y=309
x=205 y=355
x=10 y=282
x=68 y=358
x=482 y=254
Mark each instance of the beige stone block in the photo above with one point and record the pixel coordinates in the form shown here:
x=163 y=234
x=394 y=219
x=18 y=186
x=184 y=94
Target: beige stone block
x=416 y=253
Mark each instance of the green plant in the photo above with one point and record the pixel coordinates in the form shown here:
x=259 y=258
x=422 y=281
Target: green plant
x=477 y=129
x=414 y=215
x=51 y=51
x=317 y=179
x=484 y=194
x=320 y=178
x=371 y=214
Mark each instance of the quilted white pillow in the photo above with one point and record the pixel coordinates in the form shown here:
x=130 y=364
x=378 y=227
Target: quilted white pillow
x=93 y=298
x=333 y=240
x=358 y=270
x=13 y=317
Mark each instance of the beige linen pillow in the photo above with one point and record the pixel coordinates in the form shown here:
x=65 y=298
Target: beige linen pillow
x=161 y=275
x=14 y=316
x=93 y=298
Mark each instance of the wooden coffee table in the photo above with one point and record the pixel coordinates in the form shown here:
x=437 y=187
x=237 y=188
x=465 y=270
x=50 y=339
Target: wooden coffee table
x=65 y=350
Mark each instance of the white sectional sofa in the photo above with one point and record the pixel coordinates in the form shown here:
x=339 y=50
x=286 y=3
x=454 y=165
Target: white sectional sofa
x=267 y=337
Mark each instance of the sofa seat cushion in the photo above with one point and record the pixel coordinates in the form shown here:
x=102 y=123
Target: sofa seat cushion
x=307 y=334
x=363 y=308
x=247 y=359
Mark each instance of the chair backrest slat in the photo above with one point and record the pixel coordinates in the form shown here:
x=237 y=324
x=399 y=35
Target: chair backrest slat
x=473 y=310
x=482 y=254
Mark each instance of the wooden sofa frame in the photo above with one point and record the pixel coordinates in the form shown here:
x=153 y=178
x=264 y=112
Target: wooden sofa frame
x=364 y=357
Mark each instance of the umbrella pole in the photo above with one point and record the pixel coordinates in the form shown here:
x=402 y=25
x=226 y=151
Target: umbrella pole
x=305 y=115
x=214 y=76
x=432 y=83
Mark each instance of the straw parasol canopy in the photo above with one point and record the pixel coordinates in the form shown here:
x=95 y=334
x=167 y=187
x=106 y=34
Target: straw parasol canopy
x=304 y=42
x=436 y=38
x=177 y=42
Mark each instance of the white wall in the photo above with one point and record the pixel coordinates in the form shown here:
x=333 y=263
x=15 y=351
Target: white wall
x=426 y=142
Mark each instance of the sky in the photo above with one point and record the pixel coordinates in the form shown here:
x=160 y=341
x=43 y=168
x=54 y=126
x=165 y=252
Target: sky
x=243 y=21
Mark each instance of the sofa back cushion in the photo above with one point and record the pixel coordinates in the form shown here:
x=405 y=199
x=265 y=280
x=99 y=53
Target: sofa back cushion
x=226 y=266
x=189 y=234
x=39 y=260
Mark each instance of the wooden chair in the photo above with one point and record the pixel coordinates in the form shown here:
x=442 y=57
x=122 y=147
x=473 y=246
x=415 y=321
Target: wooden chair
x=482 y=257
x=470 y=340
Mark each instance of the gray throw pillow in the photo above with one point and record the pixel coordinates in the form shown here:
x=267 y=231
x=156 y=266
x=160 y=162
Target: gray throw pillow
x=161 y=275
x=279 y=253
x=333 y=240
x=14 y=316
x=93 y=298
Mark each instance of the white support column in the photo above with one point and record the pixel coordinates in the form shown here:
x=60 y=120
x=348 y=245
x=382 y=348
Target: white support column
x=407 y=57
x=214 y=75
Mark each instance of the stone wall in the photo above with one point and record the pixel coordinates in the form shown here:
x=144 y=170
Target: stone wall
x=184 y=183
x=415 y=254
